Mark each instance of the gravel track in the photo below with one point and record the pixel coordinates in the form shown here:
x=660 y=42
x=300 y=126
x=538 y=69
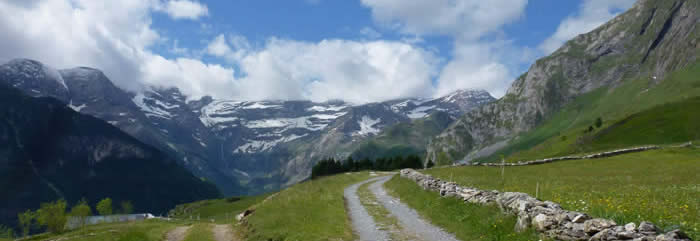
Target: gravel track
x=177 y=234
x=408 y=218
x=363 y=224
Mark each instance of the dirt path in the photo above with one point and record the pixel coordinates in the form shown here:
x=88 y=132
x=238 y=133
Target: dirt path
x=363 y=224
x=177 y=234
x=408 y=218
x=223 y=232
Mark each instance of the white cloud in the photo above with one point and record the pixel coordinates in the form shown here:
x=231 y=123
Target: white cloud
x=476 y=65
x=355 y=71
x=370 y=33
x=113 y=36
x=473 y=25
x=460 y=18
x=591 y=14
x=184 y=9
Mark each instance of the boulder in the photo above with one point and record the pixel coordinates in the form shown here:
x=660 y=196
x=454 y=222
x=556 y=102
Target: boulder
x=597 y=224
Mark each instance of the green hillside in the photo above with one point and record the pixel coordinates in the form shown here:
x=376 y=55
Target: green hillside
x=404 y=138
x=638 y=112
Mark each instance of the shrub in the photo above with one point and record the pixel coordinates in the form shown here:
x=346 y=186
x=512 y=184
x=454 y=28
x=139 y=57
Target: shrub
x=104 y=207
x=81 y=211
x=53 y=216
x=25 y=221
x=598 y=122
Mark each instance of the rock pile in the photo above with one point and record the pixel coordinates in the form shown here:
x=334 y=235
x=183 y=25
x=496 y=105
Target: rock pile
x=547 y=217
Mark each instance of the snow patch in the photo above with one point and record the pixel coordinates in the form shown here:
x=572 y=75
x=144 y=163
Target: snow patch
x=319 y=108
x=139 y=100
x=367 y=126
x=254 y=146
x=420 y=112
x=76 y=108
x=260 y=105
x=287 y=123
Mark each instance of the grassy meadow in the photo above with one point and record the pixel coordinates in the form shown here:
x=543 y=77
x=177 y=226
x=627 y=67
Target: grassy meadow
x=465 y=221
x=220 y=210
x=149 y=230
x=312 y=210
x=661 y=186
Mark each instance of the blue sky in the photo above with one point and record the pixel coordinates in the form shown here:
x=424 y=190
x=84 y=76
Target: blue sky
x=357 y=50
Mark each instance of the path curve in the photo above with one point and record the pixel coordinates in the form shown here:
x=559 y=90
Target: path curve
x=223 y=232
x=177 y=234
x=363 y=224
x=408 y=218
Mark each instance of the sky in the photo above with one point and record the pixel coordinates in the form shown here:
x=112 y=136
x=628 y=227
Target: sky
x=354 y=50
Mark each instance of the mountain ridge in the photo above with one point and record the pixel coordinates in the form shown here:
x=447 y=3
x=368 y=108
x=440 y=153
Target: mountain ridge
x=240 y=145
x=624 y=48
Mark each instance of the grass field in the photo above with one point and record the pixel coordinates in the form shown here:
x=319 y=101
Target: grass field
x=219 y=210
x=200 y=232
x=466 y=221
x=312 y=210
x=634 y=113
x=661 y=186
x=150 y=230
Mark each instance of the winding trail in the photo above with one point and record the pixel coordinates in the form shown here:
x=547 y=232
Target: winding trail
x=223 y=232
x=177 y=234
x=408 y=218
x=362 y=223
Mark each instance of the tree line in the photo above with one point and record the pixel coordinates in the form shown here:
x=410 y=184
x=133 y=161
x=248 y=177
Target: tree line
x=53 y=216
x=330 y=166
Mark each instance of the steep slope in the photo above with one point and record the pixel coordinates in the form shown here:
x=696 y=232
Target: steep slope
x=147 y=117
x=648 y=42
x=48 y=152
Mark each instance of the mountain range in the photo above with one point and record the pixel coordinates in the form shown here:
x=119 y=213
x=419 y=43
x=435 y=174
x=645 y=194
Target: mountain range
x=48 y=152
x=245 y=147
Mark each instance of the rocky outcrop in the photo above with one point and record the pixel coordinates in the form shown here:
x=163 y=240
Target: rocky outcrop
x=651 y=40
x=546 y=217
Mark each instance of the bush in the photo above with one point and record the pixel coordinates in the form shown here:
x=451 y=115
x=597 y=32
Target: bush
x=104 y=207
x=25 y=221
x=598 y=122
x=81 y=211
x=53 y=216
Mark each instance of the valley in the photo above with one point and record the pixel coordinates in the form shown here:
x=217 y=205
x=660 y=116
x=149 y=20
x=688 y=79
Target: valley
x=532 y=163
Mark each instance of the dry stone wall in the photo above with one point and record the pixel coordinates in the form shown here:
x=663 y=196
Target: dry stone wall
x=547 y=217
x=565 y=158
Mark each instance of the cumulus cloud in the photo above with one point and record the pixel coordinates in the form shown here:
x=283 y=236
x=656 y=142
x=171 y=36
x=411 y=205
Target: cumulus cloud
x=591 y=14
x=473 y=25
x=113 y=36
x=355 y=71
x=461 y=18
x=183 y=9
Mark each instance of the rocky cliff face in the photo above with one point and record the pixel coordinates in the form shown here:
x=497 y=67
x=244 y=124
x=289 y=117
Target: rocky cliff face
x=650 y=40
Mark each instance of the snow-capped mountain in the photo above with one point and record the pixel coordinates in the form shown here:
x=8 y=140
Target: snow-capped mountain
x=252 y=143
